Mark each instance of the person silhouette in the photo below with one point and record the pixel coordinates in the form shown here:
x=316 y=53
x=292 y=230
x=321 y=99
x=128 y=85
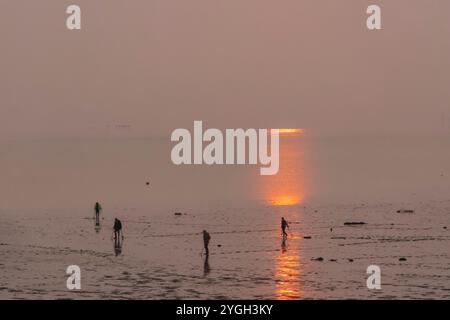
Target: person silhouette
x=284 y=225
x=98 y=209
x=118 y=233
x=206 y=239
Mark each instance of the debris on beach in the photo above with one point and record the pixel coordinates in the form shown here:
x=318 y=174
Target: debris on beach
x=307 y=237
x=219 y=245
x=317 y=259
x=333 y=260
x=178 y=213
x=147 y=183
x=350 y=260
x=353 y=223
x=338 y=238
x=405 y=211
x=402 y=259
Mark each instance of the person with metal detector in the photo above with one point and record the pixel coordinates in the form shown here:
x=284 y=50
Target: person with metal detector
x=284 y=225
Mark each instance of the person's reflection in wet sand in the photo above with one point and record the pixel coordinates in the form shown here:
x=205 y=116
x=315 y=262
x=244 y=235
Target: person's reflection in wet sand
x=97 y=224
x=283 y=245
x=118 y=246
x=118 y=236
x=206 y=267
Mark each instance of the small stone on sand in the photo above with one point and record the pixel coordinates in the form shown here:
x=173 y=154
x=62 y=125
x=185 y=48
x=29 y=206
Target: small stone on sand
x=317 y=259
x=405 y=211
x=353 y=223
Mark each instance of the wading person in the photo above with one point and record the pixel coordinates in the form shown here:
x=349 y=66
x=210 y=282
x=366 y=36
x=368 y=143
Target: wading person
x=206 y=238
x=284 y=225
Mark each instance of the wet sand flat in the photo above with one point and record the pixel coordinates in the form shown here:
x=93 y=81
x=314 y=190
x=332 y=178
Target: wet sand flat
x=161 y=254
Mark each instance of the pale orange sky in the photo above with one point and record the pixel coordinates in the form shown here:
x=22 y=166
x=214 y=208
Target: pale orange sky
x=159 y=65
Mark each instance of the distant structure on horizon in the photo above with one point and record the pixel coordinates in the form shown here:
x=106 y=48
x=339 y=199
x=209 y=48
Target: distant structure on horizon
x=119 y=128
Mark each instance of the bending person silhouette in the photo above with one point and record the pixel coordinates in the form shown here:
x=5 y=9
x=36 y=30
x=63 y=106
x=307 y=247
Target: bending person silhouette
x=118 y=234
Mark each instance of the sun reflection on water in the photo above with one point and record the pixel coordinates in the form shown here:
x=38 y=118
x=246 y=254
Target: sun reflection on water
x=284 y=191
x=288 y=272
x=287 y=188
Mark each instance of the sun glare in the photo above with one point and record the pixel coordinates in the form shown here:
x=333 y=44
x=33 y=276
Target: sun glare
x=289 y=130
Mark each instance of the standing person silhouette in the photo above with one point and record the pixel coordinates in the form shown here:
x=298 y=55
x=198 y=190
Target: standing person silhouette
x=98 y=209
x=118 y=234
x=206 y=238
x=284 y=225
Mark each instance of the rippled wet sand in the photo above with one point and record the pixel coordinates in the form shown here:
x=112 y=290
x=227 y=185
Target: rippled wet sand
x=161 y=255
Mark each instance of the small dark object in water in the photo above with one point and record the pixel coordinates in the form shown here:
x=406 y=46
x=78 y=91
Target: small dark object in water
x=147 y=183
x=405 y=211
x=317 y=259
x=331 y=229
x=350 y=260
x=219 y=245
x=353 y=223
x=338 y=238
x=402 y=259
x=333 y=260
x=307 y=237
x=445 y=227
x=177 y=213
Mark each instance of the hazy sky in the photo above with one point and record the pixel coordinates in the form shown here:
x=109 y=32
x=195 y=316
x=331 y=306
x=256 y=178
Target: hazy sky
x=159 y=65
